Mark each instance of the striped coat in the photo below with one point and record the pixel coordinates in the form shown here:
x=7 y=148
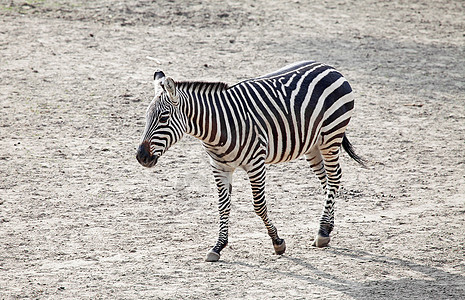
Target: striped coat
x=302 y=109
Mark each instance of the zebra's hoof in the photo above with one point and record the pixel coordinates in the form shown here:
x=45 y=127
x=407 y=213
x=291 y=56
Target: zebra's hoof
x=212 y=256
x=280 y=249
x=279 y=246
x=321 y=241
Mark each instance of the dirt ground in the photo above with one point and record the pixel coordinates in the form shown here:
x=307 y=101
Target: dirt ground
x=81 y=219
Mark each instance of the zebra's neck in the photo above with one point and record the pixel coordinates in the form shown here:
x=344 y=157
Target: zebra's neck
x=202 y=106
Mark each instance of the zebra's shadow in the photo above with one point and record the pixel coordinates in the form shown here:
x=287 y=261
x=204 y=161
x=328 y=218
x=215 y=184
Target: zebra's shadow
x=426 y=282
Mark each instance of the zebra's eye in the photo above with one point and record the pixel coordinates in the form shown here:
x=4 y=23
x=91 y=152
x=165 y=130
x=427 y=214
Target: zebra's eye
x=163 y=118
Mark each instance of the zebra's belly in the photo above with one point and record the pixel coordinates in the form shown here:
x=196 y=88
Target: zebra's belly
x=288 y=145
x=277 y=156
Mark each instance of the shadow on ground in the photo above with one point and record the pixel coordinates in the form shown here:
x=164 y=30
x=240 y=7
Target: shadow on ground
x=425 y=282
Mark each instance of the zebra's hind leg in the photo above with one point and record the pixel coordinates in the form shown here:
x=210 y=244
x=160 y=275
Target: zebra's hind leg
x=223 y=181
x=333 y=171
x=257 y=174
x=315 y=161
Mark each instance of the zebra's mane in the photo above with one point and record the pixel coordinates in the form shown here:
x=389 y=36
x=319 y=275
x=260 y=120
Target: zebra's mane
x=202 y=86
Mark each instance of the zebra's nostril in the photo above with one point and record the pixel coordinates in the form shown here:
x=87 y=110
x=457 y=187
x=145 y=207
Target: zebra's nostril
x=142 y=153
x=139 y=157
x=144 y=157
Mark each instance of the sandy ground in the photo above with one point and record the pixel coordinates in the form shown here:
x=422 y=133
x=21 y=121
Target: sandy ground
x=80 y=218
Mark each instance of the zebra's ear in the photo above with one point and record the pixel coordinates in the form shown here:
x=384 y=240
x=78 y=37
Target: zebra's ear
x=158 y=78
x=170 y=87
x=158 y=75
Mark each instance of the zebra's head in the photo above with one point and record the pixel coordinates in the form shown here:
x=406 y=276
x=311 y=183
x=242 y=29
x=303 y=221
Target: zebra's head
x=165 y=125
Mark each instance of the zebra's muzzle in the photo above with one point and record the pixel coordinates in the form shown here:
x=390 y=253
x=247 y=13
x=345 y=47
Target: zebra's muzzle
x=144 y=157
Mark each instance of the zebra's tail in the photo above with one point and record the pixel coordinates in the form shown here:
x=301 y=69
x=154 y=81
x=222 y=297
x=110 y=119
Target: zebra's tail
x=350 y=150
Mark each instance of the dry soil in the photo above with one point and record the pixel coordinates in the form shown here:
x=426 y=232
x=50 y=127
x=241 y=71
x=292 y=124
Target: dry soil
x=81 y=219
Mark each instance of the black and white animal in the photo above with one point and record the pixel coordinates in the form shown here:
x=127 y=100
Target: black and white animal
x=302 y=109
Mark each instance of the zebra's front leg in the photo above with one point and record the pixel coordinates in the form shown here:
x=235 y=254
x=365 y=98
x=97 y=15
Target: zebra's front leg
x=223 y=182
x=257 y=181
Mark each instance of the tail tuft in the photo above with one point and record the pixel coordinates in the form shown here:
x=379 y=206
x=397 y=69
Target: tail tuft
x=350 y=150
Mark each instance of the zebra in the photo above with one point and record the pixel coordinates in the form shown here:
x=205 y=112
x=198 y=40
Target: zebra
x=301 y=109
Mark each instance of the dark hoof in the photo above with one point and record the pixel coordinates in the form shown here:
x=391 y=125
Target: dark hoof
x=321 y=241
x=212 y=256
x=280 y=248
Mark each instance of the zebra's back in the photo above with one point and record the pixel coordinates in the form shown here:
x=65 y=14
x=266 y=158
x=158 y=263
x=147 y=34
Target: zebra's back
x=296 y=107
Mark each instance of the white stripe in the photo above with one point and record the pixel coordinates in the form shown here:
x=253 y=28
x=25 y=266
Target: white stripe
x=319 y=105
